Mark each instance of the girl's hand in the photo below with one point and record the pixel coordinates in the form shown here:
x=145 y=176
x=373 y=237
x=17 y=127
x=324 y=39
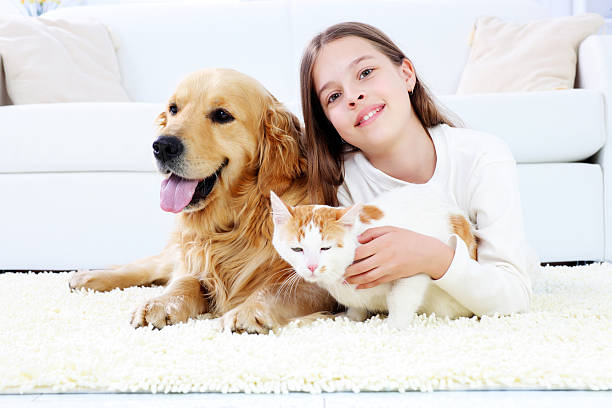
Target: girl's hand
x=390 y=253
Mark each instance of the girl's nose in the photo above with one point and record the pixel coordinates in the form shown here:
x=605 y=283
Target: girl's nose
x=353 y=101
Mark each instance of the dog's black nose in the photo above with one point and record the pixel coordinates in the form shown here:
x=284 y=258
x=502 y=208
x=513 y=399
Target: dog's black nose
x=167 y=148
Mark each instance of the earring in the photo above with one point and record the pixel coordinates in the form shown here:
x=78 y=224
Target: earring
x=411 y=92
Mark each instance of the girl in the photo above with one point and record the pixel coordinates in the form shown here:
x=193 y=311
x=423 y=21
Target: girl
x=372 y=126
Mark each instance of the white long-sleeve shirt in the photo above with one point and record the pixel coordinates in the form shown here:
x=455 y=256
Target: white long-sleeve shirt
x=478 y=172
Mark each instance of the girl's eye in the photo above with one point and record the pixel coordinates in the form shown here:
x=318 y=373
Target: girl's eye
x=333 y=97
x=172 y=109
x=325 y=248
x=297 y=249
x=365 y=73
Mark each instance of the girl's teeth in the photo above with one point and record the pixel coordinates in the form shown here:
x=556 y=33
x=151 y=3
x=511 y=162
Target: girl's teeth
x=369 y=115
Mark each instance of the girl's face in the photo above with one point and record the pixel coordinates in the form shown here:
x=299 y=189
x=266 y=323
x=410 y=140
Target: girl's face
x=364 y=94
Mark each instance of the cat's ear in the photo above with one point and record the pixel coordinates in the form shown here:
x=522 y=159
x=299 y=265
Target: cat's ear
x=281 y=212
x=350 y=215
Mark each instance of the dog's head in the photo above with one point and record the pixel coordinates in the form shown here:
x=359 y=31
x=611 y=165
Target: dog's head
x=221 y=130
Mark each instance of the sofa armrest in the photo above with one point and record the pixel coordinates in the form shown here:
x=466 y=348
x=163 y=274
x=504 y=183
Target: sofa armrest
x=594 y=71
x=4 y=97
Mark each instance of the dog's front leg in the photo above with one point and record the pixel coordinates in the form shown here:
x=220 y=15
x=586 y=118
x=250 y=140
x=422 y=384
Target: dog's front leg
x=144 y=272
x=181 y=300
x=271 y=308
x=255 y=315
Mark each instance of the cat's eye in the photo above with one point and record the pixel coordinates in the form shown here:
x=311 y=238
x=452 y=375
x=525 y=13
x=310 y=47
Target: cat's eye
x=297 y=249
x=325 y=248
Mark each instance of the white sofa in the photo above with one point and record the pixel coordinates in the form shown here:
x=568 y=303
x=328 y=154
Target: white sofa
x=77 y=180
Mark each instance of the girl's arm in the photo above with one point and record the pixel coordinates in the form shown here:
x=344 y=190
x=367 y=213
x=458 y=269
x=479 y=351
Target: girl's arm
x=499 y=281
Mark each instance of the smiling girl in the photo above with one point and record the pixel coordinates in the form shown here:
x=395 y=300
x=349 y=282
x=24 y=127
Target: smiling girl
x=371 y=126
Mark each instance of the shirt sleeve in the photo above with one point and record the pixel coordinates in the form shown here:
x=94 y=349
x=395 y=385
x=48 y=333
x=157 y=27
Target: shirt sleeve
x=499 y=281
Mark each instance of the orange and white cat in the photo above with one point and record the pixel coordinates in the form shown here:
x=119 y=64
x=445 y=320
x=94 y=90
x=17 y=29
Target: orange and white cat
x=319 y=242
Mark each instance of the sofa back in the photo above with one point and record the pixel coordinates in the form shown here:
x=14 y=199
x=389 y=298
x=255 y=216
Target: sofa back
x=160 y=43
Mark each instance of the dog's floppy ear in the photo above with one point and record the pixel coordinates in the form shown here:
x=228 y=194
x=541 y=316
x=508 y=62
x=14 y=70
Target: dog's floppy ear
x=280 y=157
x=161 y=121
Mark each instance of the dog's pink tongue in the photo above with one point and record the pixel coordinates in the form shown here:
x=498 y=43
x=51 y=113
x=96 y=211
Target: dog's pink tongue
x=176 y=192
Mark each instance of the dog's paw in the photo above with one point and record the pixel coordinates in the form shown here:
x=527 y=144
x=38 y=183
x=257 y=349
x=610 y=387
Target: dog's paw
x=248 y=318
x=159 y=312
x=88 y=279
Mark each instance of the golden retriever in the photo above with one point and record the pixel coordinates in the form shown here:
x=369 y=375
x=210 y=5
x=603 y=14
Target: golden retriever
x=224 y=142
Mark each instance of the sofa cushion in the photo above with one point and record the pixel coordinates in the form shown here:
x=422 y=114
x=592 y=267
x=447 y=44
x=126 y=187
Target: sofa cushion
x=67 y=221
x=161 y=43
x=563 y=210
x=59 y=61
x=551 y=126
x=78 y=137
x=511 y=57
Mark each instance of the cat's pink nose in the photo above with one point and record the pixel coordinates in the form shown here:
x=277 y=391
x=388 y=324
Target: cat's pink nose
x=312 y=268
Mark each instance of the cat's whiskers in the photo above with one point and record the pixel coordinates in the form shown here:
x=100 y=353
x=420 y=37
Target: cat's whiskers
x=291 y=287
x=286 y=285
x=294 y=284
x=284 y=270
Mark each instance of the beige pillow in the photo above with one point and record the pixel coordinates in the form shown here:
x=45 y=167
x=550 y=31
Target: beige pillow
x=59 y=61
x=536 y=56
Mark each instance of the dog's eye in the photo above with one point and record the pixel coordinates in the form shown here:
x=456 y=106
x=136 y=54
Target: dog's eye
x=220 y=116
x=325 y=248
x=297 y=249
x=173 y=109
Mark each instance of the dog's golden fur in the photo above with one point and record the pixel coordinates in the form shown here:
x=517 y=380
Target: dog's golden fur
x=220 y=258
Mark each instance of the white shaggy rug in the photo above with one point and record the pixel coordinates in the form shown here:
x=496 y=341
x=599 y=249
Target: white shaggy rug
x=52 y=340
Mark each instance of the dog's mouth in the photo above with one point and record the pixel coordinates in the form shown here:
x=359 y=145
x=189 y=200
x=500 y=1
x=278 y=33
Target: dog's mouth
x=178 y=193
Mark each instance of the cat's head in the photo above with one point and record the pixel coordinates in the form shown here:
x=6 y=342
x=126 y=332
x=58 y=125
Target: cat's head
x=316 y=240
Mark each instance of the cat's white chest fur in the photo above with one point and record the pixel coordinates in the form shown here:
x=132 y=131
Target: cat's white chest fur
x=373 y=299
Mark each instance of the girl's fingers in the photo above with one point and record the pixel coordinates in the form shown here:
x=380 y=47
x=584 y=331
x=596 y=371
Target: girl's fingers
x=365 y=278
x=382 y=279
x=364 y=251
x=362 y=266
x=373 y=233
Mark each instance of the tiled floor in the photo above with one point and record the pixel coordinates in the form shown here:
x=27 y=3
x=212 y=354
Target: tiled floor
x=496 y=399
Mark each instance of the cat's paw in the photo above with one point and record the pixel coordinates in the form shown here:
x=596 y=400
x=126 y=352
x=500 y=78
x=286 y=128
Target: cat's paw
x=356 y=315
x=401 y=321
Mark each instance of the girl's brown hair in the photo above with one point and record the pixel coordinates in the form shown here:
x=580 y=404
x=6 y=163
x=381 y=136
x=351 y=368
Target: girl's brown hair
x=323 y=145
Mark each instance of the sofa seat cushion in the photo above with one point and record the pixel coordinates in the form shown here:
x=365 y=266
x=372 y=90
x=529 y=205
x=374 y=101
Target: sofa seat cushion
x=78 y=137
x=563 y=209
x=539 y=127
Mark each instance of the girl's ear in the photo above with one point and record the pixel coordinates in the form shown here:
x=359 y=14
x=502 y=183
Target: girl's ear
x=281 y=212
x=407 y=72
x=350 y=215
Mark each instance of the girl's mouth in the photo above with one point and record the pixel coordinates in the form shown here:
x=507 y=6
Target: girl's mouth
x=369 y=116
